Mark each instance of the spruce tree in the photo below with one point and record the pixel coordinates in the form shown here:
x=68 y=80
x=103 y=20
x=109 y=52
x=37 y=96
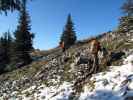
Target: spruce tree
x=69 y=35
x=2 y=61
x=23 y=38
x=6 y=5
x=5 y=44
x=127 y=7
x=126 y=22
x=12 y=5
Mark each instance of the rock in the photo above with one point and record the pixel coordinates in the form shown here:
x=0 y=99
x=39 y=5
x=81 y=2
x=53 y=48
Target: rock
x=83 y=60
x=105 y=82
x=116 y=56
x=129 y=98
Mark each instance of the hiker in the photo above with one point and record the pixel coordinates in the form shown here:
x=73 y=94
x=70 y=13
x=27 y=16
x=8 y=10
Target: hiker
x=95 y=48
x=62 y=45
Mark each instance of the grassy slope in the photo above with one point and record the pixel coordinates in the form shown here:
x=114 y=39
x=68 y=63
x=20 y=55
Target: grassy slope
x=36 y=66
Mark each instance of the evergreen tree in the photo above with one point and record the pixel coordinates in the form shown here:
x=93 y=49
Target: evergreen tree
x=23 y=38
x=2 y=62
x=9 y=5
x=6 y=5
x=126 y=22
x=5 y=43
x=6 y=46
x=128 y=7
x=69 y=35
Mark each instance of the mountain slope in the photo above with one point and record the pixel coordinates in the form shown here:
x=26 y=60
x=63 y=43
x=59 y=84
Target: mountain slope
x=114 y=84
x=52 y=74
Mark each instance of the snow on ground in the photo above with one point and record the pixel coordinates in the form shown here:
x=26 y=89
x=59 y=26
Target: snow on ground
x=61 y=92
x=114 y=84
x=57 y=93
x=132 y=39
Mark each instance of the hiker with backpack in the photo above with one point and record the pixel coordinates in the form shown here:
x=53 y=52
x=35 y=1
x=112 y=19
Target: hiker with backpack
x=95 y=48
x=62 y=45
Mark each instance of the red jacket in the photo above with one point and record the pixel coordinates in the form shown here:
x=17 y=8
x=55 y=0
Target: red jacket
x=62 y=45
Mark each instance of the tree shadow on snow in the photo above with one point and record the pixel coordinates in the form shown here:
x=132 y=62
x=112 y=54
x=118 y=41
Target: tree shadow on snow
x=103 y=95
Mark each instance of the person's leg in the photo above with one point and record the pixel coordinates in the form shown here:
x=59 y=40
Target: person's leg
x=96 y=64
x=93 y=67
x=63 y=49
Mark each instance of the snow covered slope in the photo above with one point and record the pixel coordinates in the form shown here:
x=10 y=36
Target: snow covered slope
x=114 y=84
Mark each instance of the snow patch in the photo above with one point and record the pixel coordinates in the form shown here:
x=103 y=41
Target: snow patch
x=115 y=84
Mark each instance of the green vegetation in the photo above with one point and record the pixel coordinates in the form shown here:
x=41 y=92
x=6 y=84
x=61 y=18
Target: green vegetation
x=126 y=22
x=23 y=38
x=14 y=53
x=28 y=71
x=68 y=35
x=6 y=5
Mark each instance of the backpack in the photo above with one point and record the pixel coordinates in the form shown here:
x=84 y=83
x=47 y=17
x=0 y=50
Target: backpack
x=95 y=46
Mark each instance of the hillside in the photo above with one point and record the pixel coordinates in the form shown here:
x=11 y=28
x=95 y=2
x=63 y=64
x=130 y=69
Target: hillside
x=52 y=74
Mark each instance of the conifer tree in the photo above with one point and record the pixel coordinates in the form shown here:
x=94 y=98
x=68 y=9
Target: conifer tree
x=23 y=38
x=6 y=5
x=127 y=7
x=2 y=62
x=12 y=5
x=5 y=44
x=69 y=35
x=126 y=22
